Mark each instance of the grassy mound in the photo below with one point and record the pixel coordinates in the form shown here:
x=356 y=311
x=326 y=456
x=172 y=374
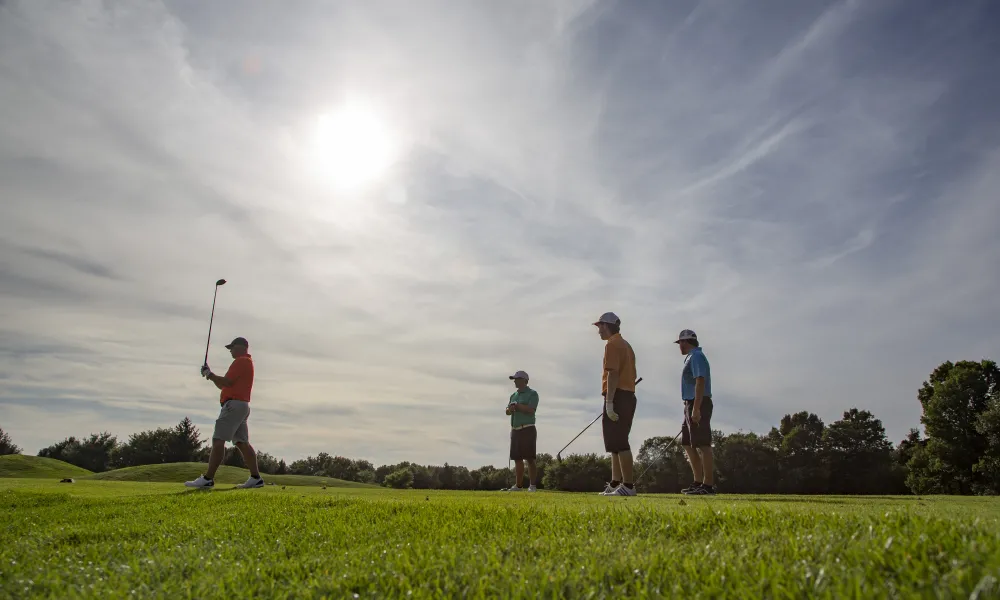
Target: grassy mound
x=181 y=472
x=21 y=465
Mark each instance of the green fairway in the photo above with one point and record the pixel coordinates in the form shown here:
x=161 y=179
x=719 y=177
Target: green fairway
x=181 y=472
x=98 y=539
x=20 y=465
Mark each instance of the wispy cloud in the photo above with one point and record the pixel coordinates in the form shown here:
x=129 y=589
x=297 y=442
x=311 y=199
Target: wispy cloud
x=810 y=189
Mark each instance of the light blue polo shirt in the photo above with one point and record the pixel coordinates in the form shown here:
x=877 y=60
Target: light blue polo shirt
x=695 y=365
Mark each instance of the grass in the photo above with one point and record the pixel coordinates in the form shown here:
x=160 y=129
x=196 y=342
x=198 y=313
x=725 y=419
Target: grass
x=21 y=465
x=181 y=472
x=99 y=539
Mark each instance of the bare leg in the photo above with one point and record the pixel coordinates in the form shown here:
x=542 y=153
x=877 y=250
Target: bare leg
x=616 y=467
x=532 y=472
x=215 y=458
x=695 y=459
x=625 y=465
x=518 y=473
x=249 y=457
x=708 y=460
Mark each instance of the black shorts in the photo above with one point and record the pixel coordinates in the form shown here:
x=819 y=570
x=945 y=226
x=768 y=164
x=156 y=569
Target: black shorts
x=522 y=443
x=698 y=435
x=616 y=432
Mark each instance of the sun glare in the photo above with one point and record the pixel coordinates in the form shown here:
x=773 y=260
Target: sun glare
x=354 y=146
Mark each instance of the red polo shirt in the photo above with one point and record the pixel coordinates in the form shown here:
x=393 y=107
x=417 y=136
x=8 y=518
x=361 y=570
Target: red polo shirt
x=241 y=374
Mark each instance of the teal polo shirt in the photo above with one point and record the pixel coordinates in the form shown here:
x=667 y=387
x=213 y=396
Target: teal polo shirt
x=528 y=397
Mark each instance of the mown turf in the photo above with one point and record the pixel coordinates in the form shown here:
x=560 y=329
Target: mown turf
x=21 y=465
x=181 y=472
x=132 y=540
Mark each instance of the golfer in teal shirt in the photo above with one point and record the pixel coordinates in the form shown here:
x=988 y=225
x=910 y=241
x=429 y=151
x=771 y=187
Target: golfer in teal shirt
x=523 y=436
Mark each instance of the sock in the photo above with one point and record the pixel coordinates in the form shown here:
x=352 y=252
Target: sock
x=706 y=486
x=255 y=476
x=207 y=477
x=630 y=486
x=697 y=484
x=614 y=483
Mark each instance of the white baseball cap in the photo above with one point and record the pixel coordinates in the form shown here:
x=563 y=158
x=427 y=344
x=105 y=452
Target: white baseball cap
x=610 y=318
x=687 y=334
x=520 y=375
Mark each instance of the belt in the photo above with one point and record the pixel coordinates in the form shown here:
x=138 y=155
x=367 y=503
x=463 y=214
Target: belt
x=523 y=426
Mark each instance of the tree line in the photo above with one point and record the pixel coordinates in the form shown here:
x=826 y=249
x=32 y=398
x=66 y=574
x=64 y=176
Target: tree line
x=959 y=452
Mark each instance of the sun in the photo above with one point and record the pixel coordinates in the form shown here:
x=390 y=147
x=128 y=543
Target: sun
x=353 y=146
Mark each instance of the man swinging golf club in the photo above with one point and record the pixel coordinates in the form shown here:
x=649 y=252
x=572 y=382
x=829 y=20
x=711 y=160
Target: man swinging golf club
x=523 y=436
x=618 y=388
x=232 y=422
x=696 y=432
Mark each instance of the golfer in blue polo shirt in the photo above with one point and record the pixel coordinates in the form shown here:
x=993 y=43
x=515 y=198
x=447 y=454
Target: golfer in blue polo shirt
x=696 y=432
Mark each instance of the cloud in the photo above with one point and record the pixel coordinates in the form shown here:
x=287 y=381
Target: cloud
x=809 y=191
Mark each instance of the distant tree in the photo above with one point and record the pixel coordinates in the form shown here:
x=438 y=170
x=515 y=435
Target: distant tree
x=95 y=453
x=953 y=401
x=905 y=449
x=543 y=462
x=901 y=456
x=185 y=444
x=423 y=478
x=446 y=477
x=7 y=445
x=158 y=446
x=60 y=450
x=579 y=473
x=490 y=478
x=988 y=467
x=367 y=476
x=799 y=443
x=400 y=479
x=858 y=455
x=745 y=463
x=282 y=468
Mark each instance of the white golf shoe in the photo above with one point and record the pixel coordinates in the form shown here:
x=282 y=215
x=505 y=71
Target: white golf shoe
x=608 y=490
x=252 y=482
x=621 y=490
x=201 y=483
x=532 y=488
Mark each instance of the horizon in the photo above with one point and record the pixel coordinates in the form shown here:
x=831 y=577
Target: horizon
x=410 y=203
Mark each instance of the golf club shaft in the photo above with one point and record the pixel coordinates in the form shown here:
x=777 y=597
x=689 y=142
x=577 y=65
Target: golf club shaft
x=665 y=450
x=212 y=318
x=579 y=434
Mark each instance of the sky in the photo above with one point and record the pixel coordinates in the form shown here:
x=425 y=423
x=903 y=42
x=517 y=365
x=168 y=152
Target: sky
x=410 y=201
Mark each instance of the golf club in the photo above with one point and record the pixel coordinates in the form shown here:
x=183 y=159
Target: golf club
x=665 y=450
x=212 y=318
x=559 y=454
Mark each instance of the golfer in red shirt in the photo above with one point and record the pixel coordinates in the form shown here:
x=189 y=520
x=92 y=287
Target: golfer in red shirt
x=232 y=422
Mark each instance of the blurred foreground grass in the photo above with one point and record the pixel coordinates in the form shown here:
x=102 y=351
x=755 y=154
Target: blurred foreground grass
x=97 y=539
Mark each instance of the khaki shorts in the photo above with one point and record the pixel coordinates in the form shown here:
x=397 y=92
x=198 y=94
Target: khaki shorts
x=232 y=422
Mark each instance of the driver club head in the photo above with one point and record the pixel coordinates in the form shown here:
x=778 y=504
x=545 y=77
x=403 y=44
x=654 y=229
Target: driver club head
x=220 y=282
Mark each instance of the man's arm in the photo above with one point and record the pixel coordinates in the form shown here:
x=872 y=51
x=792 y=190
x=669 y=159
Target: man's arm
x=699 y=391
x=612 y=386
x=235 y=372
x=219 y=381
x=698 y=369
